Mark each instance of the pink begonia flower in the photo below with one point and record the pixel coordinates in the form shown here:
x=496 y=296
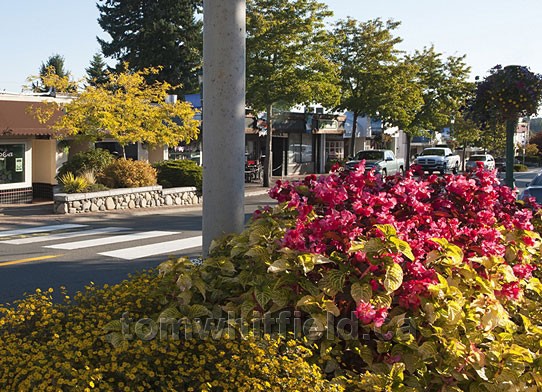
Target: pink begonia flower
x=333 y=211
x=365 y=312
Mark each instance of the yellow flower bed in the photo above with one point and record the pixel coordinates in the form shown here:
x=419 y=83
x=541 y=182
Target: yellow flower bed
x=48 y=346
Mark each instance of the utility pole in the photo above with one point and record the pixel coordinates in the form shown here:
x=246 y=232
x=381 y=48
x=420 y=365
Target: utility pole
x=224 y=31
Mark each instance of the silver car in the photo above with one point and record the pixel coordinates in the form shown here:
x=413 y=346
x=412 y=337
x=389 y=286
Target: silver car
x=486 y=159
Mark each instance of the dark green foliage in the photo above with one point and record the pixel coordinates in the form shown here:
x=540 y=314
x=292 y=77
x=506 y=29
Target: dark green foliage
x=97 y=71
x=157 y=33
x=56 y=62
x=94 y=160
x=176 y=173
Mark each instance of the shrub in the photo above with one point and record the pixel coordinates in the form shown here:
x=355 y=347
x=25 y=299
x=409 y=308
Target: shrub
x=65 y=345
x=176 y=173
x=73 y=184
x=416 y=283
x=518 y=167
x=127 y=173
x=94 y=160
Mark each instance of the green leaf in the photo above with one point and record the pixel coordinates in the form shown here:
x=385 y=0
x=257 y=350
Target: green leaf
x=388 y=230
x=381 y=301
x=262 y=297
x=403 y=247
x=258 y=252
x=307 y=261
x=361 y=292
x=396 y=372
x=184 y=282
x=333 y=282
x=196 y=311
x=332 y=308
x=428 y=350
x=306 y=300
x=171 y=312
x=394 y=278
x=279 y=265
x=114 y=325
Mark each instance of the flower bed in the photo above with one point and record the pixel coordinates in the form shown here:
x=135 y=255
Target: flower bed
x=127 y=198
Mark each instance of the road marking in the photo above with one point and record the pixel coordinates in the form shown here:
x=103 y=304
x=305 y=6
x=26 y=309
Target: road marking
x=111 y=240
x=61 y=236
x=160 y=248
x=21 y=261
x=38 y=229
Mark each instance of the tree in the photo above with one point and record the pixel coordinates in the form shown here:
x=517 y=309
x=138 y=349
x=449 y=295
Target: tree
x=373 y=81
x=155 y=33
x=288 y=53
x=97 y=71
x=504 y=96
x=465 y=132
x=50 y=71
x=127 y=109
x=445 y=89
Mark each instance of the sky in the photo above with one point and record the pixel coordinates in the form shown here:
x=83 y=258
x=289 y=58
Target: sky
x=488 y=32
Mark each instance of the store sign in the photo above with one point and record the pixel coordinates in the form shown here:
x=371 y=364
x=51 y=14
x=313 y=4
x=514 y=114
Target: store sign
x=11 y=163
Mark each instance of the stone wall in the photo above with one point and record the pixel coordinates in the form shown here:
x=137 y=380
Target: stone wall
x=121 y=199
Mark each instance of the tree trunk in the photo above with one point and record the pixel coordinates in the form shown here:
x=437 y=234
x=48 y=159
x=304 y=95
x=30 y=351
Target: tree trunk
x=511 y=125
x=268 y=161
x=407 y=156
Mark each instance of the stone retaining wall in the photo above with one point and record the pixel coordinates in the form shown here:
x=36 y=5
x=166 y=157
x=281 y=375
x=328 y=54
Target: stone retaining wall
x=121 y=199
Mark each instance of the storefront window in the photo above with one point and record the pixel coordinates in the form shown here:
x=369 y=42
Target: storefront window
x=301 y=149
x=11 y=163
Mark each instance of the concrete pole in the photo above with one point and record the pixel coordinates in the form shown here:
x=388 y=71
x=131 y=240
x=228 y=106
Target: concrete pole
x=224 y=26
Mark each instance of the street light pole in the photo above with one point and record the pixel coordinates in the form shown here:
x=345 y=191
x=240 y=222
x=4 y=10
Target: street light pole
x=224 y=27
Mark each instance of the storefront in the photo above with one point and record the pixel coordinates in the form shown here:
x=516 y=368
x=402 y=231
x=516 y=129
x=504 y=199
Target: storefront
x=29 y=156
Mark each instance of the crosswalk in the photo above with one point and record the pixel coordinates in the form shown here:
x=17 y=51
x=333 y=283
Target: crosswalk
x=126 y=241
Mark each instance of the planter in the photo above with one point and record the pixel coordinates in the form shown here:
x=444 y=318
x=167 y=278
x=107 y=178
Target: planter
x=126 y=198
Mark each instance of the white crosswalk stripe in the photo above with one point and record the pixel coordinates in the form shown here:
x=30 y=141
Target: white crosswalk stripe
x=161 y=248
x=38 y=229
x=62 y=236
x=111 y=240
x=65 y=233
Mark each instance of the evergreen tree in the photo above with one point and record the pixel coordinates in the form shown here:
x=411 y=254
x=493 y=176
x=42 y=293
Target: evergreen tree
x=97 y=71
x=54 y=66
x=155 y=33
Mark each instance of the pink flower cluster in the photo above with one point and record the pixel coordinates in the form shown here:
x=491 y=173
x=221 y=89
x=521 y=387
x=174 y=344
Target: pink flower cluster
x=336 y=209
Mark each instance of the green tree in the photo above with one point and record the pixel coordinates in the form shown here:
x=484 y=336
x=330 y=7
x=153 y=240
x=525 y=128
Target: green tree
x=445 y=89
x=127 y=109
x=504 y=96
x=155 y=33
x=465 y=133
x=535 y=125
x=97 y=71
x=53 y=69
x=288 y=51
x=373 y=80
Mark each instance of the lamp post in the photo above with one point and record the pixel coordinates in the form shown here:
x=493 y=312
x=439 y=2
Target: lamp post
x=224 y=29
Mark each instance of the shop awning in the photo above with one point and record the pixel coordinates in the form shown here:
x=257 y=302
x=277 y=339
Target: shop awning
x=17 y=120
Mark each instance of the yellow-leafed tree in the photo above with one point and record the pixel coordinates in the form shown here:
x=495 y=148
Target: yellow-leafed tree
x=127 y=109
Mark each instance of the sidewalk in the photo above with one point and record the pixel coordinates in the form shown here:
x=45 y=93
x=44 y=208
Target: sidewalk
x=43 y=208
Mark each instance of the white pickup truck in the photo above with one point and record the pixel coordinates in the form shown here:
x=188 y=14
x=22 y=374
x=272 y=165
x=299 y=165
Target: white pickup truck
x=440 y=159
x=383 y=161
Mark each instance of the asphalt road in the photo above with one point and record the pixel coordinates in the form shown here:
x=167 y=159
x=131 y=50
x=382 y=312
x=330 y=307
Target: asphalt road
x=72 y=251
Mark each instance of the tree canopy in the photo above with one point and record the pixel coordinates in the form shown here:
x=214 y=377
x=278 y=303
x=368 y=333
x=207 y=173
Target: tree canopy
x=155 y=33
x=373 y=80
x=288 y=57
x=128 y=109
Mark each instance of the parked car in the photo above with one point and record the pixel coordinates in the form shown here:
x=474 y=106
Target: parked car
x=533 y=189
x=440 y=159
x=487 y=160
x=383 y=161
